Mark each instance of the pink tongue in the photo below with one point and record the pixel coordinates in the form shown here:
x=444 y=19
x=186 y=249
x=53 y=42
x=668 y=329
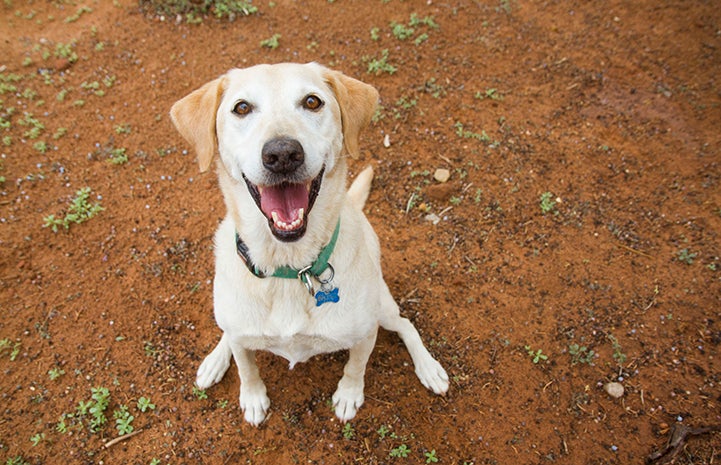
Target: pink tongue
x=285 y=200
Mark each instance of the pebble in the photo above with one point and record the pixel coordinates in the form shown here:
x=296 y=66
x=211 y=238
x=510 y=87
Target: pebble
x=614 y=389
x=442 y=175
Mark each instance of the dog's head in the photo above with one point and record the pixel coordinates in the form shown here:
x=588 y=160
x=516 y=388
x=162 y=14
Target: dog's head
x=279 y=129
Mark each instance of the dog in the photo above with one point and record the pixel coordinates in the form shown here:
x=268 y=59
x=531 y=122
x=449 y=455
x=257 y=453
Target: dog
x=297 y=264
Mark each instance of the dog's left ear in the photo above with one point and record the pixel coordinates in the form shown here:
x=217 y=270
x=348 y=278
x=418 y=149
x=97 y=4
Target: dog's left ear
x=194 y=117
x=358 y=102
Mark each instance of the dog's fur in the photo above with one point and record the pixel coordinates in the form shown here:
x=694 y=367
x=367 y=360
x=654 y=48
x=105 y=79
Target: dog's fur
x=275 y=314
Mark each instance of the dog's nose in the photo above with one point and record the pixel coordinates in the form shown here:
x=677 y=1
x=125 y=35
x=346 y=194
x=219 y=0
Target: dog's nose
x=282 y=155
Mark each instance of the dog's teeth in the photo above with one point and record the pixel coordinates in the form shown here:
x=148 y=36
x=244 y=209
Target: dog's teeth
x=275 y=217
x=301 y=213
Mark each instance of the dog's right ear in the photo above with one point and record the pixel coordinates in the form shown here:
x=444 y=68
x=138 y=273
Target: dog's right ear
x=194 y=118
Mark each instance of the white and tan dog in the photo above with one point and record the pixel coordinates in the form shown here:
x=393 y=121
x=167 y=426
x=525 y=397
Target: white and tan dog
x=297 y=264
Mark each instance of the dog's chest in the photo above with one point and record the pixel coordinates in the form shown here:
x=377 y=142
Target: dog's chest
x=297 y=333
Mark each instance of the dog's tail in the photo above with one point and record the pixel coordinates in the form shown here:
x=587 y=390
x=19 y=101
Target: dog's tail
x=358 y=191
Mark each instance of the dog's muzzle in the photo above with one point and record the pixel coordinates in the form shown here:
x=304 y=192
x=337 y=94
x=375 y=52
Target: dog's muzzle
x=285 y=200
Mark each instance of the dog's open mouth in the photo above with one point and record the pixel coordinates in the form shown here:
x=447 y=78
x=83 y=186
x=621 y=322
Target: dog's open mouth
x=286 y=205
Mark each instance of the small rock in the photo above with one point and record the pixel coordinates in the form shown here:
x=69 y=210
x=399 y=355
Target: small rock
x=442 y=175
x=440 y=192
x=433 y=218
x=614 y=389
x=387 y=141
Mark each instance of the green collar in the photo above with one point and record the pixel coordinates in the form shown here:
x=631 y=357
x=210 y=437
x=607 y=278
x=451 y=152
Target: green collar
x=315 y=269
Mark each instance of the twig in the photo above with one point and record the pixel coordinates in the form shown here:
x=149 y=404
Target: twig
x=677 y=440
x=631 y=249
x=112 y=442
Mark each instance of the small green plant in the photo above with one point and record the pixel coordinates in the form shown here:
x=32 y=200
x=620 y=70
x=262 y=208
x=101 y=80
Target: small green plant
x=41 y=146
x=489 y=93
x=118 y=156
x=17 y=460
x=61 y=426
x=145 y=404
x=431 y=456
x=416 y=21
x=380 y=65
x=155 y=461
x=686 y=256
x=94 y=87
x=79 y=211
x=272 y=42
x=35 y=127
x=348 y=431
x=150 y=350
x=66 y=51
x=60 y=132
x=80 y=11
x=466 y=134
x=401 y=31
x=618 y=354
x=100 y=400
x=123 y=420
x=536 y=355
x=375 y=34
x=199 y=394
x=37 y=438
x=122 y=129
x=580 y=354
x=14 y=348
x=547 y=203
x=383 y=431
x=400 y=451
x=55 y=373
x=435 y=89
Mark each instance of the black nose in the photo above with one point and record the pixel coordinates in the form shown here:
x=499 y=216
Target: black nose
x=282 y=155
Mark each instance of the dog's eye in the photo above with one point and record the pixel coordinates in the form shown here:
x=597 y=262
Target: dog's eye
x=242 y=108
x=312 y=102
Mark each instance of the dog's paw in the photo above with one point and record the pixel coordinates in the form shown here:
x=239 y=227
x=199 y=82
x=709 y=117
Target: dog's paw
x=347 y=401
x=214 y=366
x=254 y=403
x=432 y=375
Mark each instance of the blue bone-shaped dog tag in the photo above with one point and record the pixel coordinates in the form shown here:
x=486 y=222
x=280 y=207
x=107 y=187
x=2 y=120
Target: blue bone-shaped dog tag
x=326 y=296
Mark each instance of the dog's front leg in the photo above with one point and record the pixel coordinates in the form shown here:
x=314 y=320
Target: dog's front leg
x=254 y=401
x=348 y=398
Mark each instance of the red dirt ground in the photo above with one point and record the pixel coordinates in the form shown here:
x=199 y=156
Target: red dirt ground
x=613 y=108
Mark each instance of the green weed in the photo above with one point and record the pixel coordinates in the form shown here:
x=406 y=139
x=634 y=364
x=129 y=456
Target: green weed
x=272 y=42
x=55 y=373
x=78 y=14
x=118 y=156
x=536 y=355
x=14 y=348
x=580 y=354
x=79 y=211
x=400 y=451
x=686 y=256
x=466 y=134
x=123 y=420
x=96 y=408
x=37 y=438
x=199 y=394
x=431 y=456
x=229 y=9
x=618 y=354
x=489 y=93
x=547 y=203
x=145 y=404
x=380 y=65
x=348 y=431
